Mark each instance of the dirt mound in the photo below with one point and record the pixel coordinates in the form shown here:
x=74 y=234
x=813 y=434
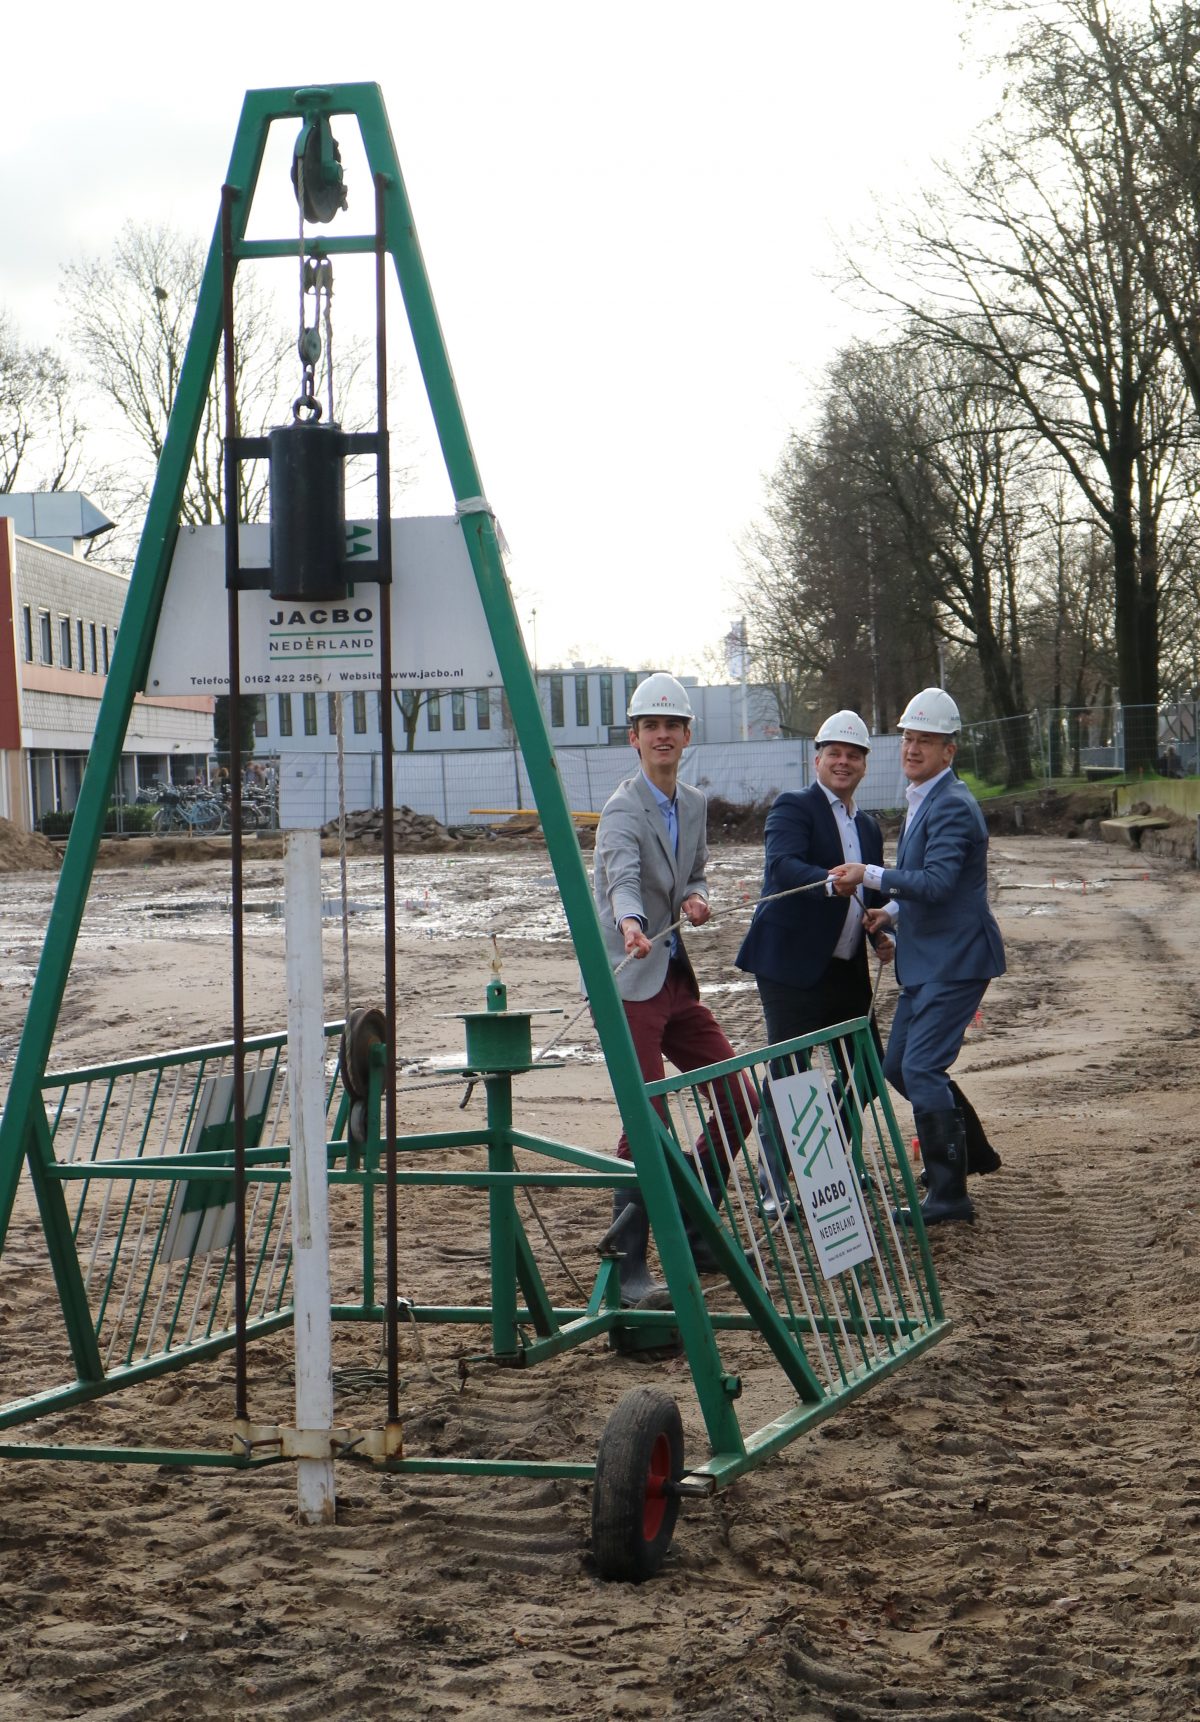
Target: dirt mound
x=1050 y=812
x=25 y=851
x=737 y=822
x=416 y=832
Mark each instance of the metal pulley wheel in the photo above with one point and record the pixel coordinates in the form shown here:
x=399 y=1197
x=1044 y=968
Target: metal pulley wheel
x=317 y=171
x=365 y=1028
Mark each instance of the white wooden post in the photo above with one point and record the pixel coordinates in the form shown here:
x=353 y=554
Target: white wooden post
x=310 y=1182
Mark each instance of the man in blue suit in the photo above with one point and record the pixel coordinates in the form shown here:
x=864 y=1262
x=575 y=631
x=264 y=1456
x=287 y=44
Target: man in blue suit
x=948 y=944
x=807 y=953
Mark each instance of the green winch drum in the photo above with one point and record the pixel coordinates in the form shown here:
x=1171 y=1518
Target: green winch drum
x=498 y=1040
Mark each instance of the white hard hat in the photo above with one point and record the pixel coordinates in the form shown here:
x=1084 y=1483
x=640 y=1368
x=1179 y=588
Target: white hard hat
x=845 y=726
x=932 y=710
x=660 y=695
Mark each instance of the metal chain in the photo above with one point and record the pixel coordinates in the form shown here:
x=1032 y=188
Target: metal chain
x=308 y=357
x=316 y=277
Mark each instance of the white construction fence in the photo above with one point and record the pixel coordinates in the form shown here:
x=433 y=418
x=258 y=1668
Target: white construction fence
x=473 y=788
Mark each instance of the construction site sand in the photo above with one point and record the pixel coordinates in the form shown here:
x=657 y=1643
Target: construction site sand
x=1006 y=1528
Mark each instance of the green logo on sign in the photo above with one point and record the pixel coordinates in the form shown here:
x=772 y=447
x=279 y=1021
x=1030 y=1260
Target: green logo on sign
x=806 y=1124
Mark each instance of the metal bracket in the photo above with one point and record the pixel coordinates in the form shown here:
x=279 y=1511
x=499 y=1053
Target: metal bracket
x=378 y=1445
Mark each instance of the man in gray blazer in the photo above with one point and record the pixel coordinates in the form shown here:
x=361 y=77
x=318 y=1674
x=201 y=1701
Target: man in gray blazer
x=651 y=853
x=948 y=946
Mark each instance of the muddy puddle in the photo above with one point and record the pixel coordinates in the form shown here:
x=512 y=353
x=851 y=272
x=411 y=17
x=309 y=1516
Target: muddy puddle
x=442 y=897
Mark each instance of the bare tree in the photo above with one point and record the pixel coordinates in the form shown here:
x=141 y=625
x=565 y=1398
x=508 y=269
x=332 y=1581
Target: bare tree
x=131 y=315
x=836 y=619
x=1032 y=261
x=41 y=433
x=932 y=436
x=1136 y=72
x=1070 y=650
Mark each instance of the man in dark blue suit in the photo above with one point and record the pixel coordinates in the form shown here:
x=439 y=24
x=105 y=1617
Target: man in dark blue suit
x=948 y=944
x=807 y=953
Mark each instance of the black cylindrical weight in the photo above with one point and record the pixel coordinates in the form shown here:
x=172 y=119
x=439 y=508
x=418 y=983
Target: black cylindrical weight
x=308 y=513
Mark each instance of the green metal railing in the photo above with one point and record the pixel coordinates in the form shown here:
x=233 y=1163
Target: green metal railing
x=132 y=1172
x=139 y=1152
x=833 y=1335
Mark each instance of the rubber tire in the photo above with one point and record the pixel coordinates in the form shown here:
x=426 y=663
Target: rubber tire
x=633 y=1521
x=366 y=1027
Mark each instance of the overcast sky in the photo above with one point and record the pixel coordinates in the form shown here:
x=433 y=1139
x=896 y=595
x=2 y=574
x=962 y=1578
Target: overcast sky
x=629 y=215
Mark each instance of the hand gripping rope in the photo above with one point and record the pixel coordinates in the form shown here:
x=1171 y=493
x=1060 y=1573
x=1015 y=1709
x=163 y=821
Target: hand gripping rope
x=714 y=914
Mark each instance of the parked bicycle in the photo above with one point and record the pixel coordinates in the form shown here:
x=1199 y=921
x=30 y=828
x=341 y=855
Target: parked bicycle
x=190 y=810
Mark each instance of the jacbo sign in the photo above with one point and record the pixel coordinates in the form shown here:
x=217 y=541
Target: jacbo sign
x=826 y=1185
x=440 y=636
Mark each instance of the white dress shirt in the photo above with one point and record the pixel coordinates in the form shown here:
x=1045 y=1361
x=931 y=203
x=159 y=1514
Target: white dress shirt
x=843 y=818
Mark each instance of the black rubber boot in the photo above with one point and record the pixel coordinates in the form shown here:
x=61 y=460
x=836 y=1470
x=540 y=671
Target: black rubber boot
x=628 y=1236
x=772 y=1174
x=942 y=1136
x=702 y=1256
x=773 y=1189
x=981 y=1156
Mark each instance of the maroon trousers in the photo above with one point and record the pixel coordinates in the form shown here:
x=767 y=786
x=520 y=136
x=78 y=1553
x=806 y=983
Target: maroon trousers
x=674 y=1024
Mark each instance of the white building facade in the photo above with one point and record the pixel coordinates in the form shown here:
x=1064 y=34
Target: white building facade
x=584 y=706
x=59 y=619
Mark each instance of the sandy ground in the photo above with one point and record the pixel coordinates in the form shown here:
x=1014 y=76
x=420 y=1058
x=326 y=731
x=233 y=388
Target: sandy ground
x=1006 y=1528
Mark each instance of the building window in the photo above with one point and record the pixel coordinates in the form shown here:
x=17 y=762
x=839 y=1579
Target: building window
x=458 y=711
x=260 y=714
x=630 y=685
x=27 y=632
x=433 y=711
x=64 y=642
x=92 y=636
x=606 y=700
x=285 y=714
x=333 y=714
x=581 y=701
x=80 y=659
x=310 y=714
x=46 y=642
x=359 y=705
x=556 y=702
x=104 y=643
x=483 y=709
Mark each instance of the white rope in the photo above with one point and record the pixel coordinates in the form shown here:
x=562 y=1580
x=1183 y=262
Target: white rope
x=325 y=279
x=340 y=731
x=713 y=915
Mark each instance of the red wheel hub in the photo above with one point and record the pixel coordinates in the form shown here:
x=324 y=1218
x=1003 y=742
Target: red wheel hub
x=658 y=1475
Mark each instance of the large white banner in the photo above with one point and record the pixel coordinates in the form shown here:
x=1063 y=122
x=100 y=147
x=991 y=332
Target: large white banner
x=440 y=636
